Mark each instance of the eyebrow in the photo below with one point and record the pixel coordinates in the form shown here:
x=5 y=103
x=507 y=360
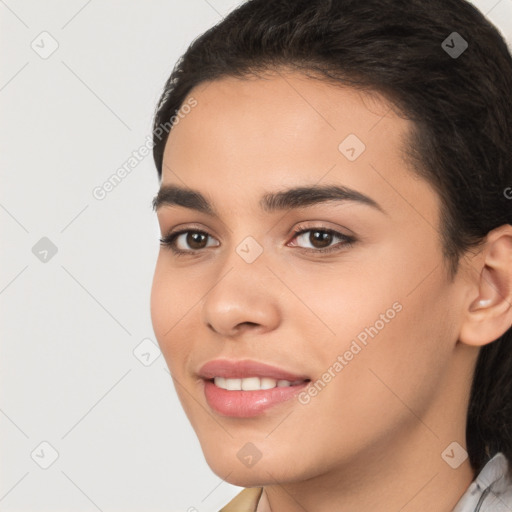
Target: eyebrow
x=293 y=198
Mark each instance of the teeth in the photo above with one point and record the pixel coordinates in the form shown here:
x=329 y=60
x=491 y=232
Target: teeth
x=267 y=383
x=233 y=384
x=251 y=383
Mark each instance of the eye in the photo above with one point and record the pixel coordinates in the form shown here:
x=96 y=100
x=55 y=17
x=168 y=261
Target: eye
x=321 y=239
x=193 y=238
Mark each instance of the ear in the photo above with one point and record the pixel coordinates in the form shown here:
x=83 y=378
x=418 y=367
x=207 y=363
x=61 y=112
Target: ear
x=488 y=313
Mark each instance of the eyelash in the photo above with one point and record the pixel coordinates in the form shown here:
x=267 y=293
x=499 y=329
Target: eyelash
x=169 y=241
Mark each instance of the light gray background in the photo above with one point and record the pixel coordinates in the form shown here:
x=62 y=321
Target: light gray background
x=71 y=326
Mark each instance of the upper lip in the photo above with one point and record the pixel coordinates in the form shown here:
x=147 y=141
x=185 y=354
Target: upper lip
x=245 y=368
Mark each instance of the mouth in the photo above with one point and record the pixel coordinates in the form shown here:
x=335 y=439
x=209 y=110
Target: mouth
x=246 y=389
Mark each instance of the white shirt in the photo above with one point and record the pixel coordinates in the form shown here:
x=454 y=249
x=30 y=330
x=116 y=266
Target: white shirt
x=490 y=491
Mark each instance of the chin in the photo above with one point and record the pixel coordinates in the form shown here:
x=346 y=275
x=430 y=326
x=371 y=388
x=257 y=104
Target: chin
x=237 y=468
x=251 y=477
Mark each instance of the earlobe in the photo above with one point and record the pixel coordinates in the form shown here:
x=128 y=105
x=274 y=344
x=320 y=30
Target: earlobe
x=489 y=315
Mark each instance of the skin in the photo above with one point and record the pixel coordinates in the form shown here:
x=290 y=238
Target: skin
x=372 y=439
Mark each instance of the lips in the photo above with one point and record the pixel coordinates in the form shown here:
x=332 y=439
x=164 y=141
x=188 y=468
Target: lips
x=245 y=389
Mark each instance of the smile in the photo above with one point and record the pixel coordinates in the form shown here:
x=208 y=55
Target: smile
x=252 y=383
x=245 y=389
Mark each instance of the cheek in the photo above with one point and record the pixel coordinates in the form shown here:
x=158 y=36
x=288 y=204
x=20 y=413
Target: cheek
x=392 y=319
x=343 y=302
x=396 y=372
x=403 y=365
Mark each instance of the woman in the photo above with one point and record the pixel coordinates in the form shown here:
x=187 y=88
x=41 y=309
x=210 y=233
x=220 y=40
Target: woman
x=333 y=292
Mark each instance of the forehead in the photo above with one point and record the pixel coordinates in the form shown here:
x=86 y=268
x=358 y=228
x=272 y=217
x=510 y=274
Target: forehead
x=288 y=104
x=249 y=135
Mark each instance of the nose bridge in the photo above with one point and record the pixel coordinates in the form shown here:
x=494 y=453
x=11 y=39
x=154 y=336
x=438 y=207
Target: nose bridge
x=249 y=250
x=244 y=268
x=242 y=292
x=246 y=241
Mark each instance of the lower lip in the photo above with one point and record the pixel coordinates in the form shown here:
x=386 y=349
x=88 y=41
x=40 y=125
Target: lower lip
x=247 y=404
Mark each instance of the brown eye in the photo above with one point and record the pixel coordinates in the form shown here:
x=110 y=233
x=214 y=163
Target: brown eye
x=320 y=240
x=186 y=241
x=195 y=240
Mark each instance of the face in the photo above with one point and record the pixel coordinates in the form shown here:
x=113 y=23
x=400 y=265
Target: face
x=340 y=292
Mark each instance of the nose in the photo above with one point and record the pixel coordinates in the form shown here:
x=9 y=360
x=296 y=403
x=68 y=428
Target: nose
x=244 y=298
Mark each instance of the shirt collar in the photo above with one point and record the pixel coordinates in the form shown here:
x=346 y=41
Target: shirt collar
x=491 y=488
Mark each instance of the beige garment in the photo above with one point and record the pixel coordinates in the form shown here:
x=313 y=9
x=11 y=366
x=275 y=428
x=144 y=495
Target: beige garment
x=245 y=501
